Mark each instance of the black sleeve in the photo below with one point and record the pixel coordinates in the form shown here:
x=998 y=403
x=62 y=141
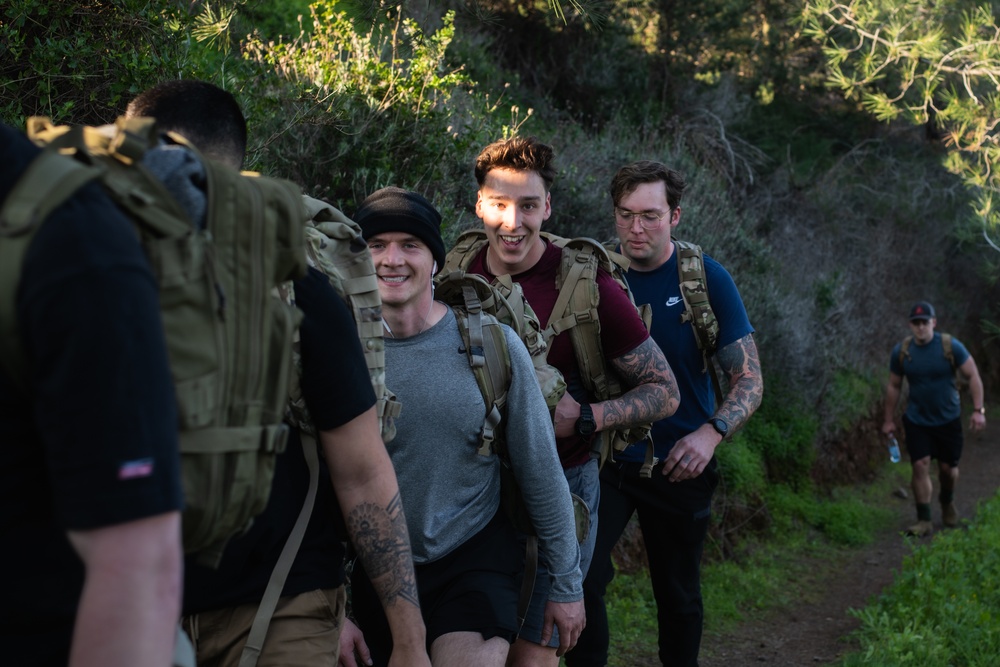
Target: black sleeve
x=102 y=395
x=335 y=380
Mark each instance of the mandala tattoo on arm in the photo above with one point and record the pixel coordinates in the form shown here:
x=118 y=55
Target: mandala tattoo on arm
x=741 y=364
x=380 y=536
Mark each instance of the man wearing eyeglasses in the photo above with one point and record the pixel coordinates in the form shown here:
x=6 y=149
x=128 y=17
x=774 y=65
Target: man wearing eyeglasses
x=514 y=177
x=673 y=505
x=933 y=419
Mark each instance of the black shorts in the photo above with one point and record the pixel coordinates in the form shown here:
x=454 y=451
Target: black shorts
x=472 y=589
x=943 y=442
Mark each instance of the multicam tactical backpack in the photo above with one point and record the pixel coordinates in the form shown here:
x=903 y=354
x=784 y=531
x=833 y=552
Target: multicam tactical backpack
x=335 y=246
x=229 y=339
x=575 y=312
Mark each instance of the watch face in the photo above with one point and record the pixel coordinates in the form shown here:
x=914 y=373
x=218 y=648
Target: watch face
x=585 y=424
x=720 y=426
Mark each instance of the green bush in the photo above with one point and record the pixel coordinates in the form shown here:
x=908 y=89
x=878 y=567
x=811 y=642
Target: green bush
x=783 y=433
x=346 y=112
x=50 y=66
x=742 y=468
x=943 y=607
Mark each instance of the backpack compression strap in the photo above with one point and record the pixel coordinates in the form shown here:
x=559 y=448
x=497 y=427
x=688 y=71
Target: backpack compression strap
x=46 y=184
x=258 y=630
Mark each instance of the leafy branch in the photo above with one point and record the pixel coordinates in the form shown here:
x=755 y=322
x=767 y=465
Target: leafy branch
x=923 y=62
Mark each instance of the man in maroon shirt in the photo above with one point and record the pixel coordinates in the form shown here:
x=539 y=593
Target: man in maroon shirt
x=514 y=179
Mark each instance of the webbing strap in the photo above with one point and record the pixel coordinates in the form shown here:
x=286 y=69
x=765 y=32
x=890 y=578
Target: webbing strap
x=258 y=631
x=474 y=310
x=569 y=285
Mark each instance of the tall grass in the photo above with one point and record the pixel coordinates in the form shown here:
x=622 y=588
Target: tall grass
x=944 y=607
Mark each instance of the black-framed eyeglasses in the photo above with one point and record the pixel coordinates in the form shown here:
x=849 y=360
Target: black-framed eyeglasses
x=624 y=218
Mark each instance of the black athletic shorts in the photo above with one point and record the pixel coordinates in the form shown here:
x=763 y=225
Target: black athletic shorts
x=472 y=589
x=943 y=442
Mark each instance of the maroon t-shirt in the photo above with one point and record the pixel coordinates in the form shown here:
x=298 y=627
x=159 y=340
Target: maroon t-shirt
x=622 y=329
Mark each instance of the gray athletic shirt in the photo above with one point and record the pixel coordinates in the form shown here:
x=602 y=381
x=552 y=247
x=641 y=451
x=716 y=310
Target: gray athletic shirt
x=449 y=491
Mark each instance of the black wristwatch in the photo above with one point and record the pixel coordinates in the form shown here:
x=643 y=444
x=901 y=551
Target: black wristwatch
x=720 y=426
x=585 y=424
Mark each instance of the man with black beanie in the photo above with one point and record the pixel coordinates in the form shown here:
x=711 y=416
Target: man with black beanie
x=466 y=553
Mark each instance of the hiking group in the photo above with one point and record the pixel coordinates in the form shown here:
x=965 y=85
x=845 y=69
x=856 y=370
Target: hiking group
x=217 y=393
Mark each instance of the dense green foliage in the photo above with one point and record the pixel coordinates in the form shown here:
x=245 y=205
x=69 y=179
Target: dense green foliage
x=942 y=608
x=82 y=60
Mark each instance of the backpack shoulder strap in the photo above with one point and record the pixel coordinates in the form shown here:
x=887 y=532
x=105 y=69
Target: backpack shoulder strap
x=946 y=346
x=489 y=358
x=468 y=245
x=904 y=349
x=698 y=307
x=46 y=184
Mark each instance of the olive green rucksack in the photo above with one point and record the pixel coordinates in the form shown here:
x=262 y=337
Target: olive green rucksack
x=575 y=312
x=229 y=337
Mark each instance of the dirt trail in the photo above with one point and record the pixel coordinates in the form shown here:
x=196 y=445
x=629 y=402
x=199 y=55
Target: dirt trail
x=814 y=630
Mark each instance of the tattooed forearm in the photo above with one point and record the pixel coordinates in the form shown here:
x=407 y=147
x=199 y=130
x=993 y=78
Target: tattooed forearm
x=653 y=393
x=740 y=363
x=379 y=534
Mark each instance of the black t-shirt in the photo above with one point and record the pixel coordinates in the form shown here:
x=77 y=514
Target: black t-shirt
x=337 y=389
x=92 y=441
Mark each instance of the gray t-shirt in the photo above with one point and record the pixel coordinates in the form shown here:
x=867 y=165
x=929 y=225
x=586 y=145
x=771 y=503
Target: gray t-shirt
x=449 y=491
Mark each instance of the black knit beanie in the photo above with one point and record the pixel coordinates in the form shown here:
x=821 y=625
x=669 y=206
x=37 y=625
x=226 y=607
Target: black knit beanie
x=397 y=210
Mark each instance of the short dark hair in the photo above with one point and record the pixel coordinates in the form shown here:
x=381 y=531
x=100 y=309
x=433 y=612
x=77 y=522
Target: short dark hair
x=517 y=154
x=201 y=112
x=635 y=174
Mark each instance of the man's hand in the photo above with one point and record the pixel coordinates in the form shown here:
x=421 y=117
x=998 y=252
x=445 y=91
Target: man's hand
x=353 y=646
x=977 y=422
x=567 y=412
x=888 y=427
x=570 y=618
x=690 y=454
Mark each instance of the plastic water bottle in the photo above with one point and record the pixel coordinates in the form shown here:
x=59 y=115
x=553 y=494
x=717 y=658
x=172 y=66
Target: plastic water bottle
x=893 y=448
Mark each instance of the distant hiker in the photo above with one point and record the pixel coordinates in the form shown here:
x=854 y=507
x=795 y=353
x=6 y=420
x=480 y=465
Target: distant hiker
x=222 y=605
x=933 y=420
x=617 y=376
x=90 y=488
x=695 y=329
x=466 y=551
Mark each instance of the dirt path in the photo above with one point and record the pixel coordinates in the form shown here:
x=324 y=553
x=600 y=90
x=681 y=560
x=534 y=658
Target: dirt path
x=813 y=631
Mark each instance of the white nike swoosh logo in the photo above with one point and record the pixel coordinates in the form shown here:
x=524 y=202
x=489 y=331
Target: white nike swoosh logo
x=673 y=301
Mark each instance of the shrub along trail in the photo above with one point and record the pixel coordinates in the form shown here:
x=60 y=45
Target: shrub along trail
x=814 y=630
